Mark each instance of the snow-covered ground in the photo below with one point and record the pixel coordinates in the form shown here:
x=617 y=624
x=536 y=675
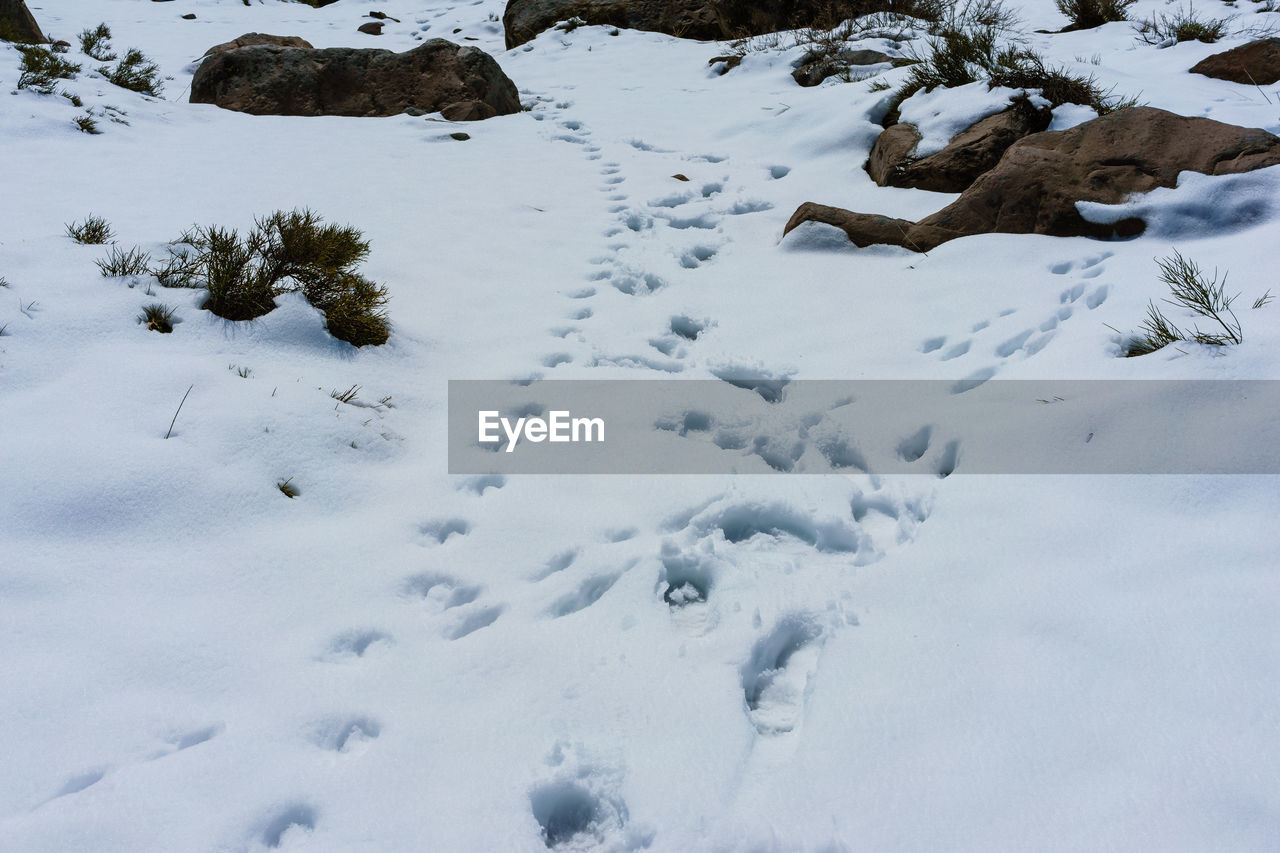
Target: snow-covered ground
x=400 y=659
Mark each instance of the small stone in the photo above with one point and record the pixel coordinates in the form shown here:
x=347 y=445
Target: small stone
x=460 y=136
x=190 y=16
x=373 y=28
x=680 y=177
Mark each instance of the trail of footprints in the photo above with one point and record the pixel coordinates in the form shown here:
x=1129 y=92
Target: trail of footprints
x=640 y=255
x=1033 y=336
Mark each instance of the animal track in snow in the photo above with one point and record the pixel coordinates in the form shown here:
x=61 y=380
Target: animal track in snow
x=484 y=482
x=80 y=781
x=695 y=257
x=743 y=522
x=195 y=737
x=347 y=734
x=672 y=201
x=443 y=589
x=1014 y=344
x=356 y=643
x=916 y=445
x=558 y=563
x=587 y=593
x=779 y=673
x=957 y=350
x=292 y=821
x=769 y=387
x=687 y=327
x=740 y=208
x=579 y=808
x=973 y=380
x=637 y=283
x=685 y=578
x=474 y=620
x=702 y=221
x=441 y=530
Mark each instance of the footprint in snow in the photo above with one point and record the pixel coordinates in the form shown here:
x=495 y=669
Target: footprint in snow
x=440 y=531
x=445 y=590
x=473 y=620
x=346 y=734
x=355 y=644
x=289 y=824
x=779 y=673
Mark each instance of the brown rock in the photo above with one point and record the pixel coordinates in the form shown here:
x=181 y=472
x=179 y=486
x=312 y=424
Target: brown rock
x=731 y=61
x=251 y=39
x=1035 y=186
x=1256 y=63
x=373 y=28
x=891 y=151
x=460 y=136
x=273 y=80
x=973 y=151
x=467 y=111
x=680 y=177
x=17 y=24
x=866 y=229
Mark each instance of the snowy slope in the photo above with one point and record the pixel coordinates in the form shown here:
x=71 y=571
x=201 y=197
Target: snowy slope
x=400 y=659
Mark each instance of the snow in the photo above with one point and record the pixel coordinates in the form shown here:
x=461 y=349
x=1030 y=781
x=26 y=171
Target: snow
x=402 y=659
x=941 y=113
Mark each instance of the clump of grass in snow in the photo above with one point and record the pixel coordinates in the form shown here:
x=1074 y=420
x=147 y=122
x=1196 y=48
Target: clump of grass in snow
x=157 y=317
x=1087 y=14
x=345 y=396
x=287 y=489
x=88 y=124
x=135 y=72
x=1190 y=289
x=40 y=68
x=962 y=56
x=93 y=231
x=122 y=263
x=96 y=43
x=283 y=252
x=1182 y=25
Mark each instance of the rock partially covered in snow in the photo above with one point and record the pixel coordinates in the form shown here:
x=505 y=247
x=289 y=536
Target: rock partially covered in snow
x=970 y=154
x=1255 y=64
x=817 y=66
x=298 y=81
x=524 y=19
x=1035 y=187
x=251 y=39
x=695 y=19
